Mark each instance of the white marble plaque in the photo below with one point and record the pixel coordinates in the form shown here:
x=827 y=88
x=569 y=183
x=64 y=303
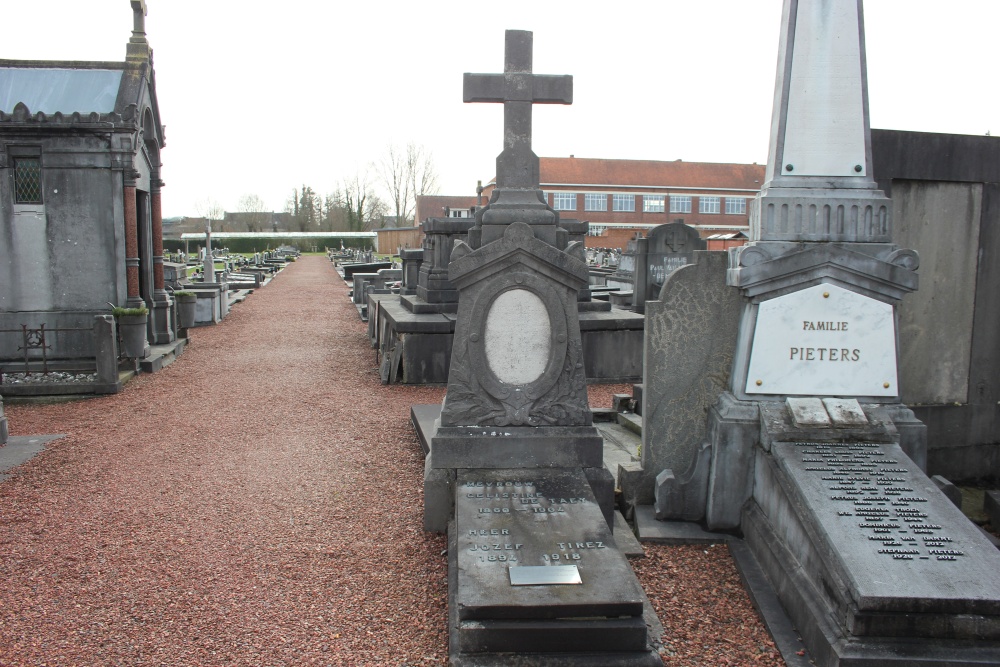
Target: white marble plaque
x=825 y=129
x=823 y=341
x=518 y=337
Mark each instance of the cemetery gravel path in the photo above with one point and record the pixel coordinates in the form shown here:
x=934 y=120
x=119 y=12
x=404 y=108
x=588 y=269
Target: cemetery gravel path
x=259 y=502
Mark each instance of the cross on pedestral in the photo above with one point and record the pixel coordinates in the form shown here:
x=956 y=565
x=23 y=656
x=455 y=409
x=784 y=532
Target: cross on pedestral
x=518 y=89
x=138 y=18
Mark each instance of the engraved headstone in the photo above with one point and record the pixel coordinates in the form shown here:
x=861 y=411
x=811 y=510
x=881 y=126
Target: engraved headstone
x=538 y=570
x=813 y=456
x=688 y=351
x=664 y=250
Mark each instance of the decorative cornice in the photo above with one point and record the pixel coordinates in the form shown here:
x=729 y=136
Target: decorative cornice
x=23 y=116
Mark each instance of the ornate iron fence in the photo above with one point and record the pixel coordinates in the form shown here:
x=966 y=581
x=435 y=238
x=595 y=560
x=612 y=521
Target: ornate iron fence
x=34 y=346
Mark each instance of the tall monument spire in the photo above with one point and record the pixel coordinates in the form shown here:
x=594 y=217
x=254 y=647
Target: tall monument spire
x=820 y=146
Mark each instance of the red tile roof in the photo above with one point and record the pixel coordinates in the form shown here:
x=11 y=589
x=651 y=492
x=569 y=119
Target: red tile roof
x=433 y=206
x=639 y=173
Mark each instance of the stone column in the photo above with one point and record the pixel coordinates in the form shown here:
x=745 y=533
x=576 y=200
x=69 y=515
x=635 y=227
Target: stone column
x=157 y=225
x=163 y=322
x=131 y=247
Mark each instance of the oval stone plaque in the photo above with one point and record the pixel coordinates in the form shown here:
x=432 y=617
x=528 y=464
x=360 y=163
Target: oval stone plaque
x=518 y=337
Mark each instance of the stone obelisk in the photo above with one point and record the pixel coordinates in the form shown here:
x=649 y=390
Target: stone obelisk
x=814 y=457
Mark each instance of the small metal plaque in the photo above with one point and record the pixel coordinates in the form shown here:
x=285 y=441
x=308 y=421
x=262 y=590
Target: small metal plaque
x=544 y=575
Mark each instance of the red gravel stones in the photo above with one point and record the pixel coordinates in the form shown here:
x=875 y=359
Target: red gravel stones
x=259 y=502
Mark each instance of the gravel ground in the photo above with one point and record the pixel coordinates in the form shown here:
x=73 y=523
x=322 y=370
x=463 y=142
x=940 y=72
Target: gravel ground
x=259 y=502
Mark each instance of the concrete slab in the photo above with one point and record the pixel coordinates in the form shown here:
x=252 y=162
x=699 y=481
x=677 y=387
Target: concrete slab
x=621 y=446
x=631 y=421
x=626 y=540
x=673 y=532
x=21 y=448
x=423 y=417
x=161 y=356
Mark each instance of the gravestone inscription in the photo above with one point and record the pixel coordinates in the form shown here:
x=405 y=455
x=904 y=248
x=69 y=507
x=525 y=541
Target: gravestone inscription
x=667 y=248
x=911 y=562
x=538 y=569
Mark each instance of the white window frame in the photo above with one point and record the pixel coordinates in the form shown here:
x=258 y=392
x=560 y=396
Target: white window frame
x=593 y=201
x=736 y=205
x=653 y=204
x=564 y=201
x=710 y=204
x=624 y=203
x=680 y=203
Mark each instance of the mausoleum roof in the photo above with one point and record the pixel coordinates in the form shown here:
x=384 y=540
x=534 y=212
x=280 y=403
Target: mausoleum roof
x=82 y=88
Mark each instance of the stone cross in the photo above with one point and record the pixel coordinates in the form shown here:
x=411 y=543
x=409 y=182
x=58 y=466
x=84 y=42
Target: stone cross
x=139 y=18
x=675 y=240
x=518 y=89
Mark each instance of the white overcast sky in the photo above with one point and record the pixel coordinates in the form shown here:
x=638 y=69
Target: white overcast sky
x=263 y=97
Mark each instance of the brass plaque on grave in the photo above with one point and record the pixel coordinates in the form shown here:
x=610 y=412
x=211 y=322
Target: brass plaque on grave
x=544 y=575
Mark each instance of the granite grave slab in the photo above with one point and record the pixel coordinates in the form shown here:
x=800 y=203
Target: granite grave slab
x=537 y=571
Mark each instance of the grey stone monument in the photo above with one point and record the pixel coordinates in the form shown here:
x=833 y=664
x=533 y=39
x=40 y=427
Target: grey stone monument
x=208 y=264
x=812 y=454
x=688 y=352
x=515 y=466
x=667 y=248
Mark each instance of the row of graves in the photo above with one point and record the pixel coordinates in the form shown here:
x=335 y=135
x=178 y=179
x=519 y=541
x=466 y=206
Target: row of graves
x=87 y=293
x=771 y=404
x=411 y=307
x=414 y=330
x=367 y=276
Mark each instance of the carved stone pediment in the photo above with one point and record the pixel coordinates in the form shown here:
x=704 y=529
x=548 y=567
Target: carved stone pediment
x=517 y=357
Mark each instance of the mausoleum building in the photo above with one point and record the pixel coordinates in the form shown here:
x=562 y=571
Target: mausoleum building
x=80 y=180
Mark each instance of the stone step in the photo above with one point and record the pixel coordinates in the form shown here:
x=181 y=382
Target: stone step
x=631 y=421
x=653 y=531
x=557 y=636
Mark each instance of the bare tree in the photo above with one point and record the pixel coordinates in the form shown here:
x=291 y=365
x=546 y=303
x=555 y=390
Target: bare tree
x=254 y=212
x=213 y=211
x=406 y=174
x=362 y=209
x=423 y=175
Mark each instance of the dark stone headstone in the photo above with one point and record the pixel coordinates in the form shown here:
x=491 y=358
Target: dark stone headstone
x=542 y=527
x=434 y=291
x=667 y=248
x=688 y=349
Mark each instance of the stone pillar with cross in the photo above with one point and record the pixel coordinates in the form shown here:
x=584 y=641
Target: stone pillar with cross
x=517 y=197
x=137 y=47
x=516 y=418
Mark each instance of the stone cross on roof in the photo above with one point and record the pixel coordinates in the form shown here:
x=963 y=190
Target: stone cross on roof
x=518 y=88
x=138 y=18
